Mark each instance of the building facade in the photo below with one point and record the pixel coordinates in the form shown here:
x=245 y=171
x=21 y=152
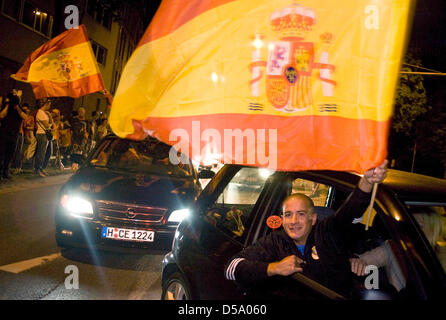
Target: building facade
x=25 y=25
x=113 y=42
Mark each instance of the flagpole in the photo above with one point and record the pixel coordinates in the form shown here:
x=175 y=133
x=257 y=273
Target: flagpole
x=372 y=200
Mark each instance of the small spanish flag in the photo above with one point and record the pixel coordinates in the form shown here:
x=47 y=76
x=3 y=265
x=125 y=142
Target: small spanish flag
x=283 y=84
x=64 y=66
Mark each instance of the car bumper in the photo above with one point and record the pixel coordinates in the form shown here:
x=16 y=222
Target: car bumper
x=87 y=233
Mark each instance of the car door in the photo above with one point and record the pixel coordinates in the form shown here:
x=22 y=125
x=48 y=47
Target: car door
x=322 y=195
x=226 y=211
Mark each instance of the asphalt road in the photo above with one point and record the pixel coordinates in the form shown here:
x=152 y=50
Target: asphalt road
x=32 y=267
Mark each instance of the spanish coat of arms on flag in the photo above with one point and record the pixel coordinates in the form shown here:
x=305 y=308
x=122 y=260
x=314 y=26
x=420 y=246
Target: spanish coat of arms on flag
x=64 y=66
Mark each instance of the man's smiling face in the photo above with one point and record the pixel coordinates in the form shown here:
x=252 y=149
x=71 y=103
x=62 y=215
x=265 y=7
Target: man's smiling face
x=298 y=218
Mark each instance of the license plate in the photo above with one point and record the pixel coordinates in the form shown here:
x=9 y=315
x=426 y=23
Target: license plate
x=128 y=234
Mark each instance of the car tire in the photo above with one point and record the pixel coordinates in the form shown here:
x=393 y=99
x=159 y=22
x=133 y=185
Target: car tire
x=176 y=288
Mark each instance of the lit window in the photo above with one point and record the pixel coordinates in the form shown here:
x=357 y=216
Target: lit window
x=37 y=19
x=100 y=52
x=12 y=8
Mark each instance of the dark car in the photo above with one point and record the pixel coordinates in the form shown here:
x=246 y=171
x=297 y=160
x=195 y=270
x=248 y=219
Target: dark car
x=408 y=218
x=126 y=195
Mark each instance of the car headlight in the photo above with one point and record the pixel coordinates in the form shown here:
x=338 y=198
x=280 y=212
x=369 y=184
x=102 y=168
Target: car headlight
x=77 y=206
x=179 y=215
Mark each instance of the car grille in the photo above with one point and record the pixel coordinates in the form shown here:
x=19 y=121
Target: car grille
x=130 y=213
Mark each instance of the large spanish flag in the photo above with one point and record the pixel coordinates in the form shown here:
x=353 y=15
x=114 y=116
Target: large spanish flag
x=64 y=66
x=281 y=84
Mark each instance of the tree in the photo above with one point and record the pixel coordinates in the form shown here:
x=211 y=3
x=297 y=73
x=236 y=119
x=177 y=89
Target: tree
x=411 y=99
x=431 y=133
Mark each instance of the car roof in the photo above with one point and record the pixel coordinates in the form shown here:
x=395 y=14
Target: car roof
x=401 y=182
x=412 y=186
x=113 y=136
x=408 y=186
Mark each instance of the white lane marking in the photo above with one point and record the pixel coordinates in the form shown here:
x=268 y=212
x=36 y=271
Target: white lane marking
x=21 y=266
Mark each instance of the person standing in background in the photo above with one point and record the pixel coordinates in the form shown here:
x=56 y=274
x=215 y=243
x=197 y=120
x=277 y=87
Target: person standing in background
x=11 y=117
x=55 y=114
x=102 y=129
x=65 y=140
x=42 y=124
x=50 y=147
x=79 y=138
x=29 y=143
x=93 y=132
x=17 y=159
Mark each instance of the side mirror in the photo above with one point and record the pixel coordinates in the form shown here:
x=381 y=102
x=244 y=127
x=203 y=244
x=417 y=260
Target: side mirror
x=206 y=174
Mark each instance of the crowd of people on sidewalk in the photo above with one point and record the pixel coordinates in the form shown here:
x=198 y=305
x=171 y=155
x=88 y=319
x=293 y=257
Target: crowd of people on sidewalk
x=42 y=137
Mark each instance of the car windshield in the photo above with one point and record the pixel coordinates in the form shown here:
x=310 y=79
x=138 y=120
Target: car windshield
x=149 y=155
x=432 y=219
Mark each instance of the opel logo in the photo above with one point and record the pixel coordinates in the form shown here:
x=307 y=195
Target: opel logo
x=130 y=213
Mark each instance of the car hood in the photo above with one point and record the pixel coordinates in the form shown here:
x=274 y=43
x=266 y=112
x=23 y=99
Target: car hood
x=132 y=187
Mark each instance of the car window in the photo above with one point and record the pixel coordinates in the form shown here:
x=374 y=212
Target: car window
x=232 y=209
x=431 y=217
x=318 y=192
x=149 y=155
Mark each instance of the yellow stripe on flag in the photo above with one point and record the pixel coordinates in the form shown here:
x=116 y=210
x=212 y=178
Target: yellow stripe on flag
x=49 y=66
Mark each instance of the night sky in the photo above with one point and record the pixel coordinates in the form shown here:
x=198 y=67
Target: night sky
x=428 y=32
x=429 y=37
x=152 y=6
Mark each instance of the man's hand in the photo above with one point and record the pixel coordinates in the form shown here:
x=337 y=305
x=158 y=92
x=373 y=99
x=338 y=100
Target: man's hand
x=358 y=266
x=285 y=267
x=4 y=112
x=376 y=175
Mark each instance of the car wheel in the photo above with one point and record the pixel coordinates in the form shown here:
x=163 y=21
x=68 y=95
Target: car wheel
x=175 y=288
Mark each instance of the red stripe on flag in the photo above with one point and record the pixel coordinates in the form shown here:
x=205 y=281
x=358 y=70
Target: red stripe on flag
x=74 y=89
x=172 y=14
x=307 y=142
